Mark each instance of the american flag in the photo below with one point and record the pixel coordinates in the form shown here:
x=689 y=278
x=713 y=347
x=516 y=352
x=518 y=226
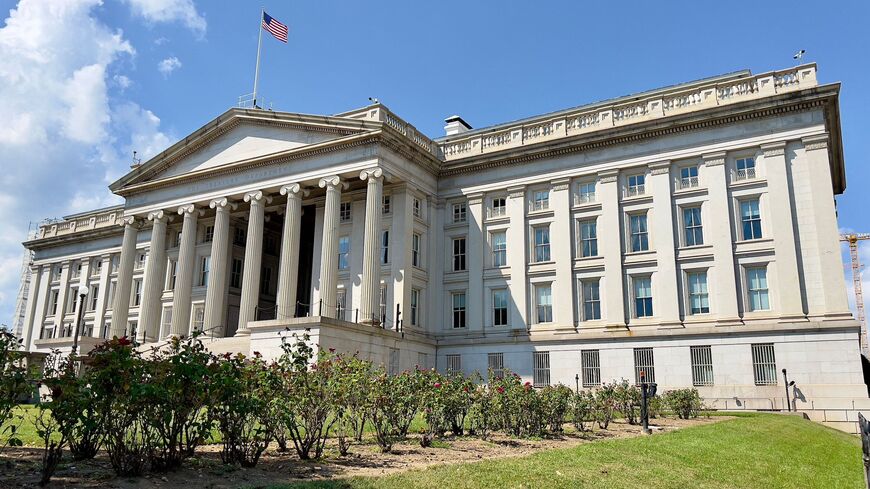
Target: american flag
x=277 y=29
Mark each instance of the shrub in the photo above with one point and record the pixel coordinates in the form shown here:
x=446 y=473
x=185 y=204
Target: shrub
x=242 y=389
x=628 y=399
x=14 y=383
x=74 y=406
x=480 y=414
x=433 y=403
x=583 y=409
x=555 y=403
x=350 y=384
x=605 y=404
x=388 y=407
x=685 y=403
x=458 y=393
x=517 y=407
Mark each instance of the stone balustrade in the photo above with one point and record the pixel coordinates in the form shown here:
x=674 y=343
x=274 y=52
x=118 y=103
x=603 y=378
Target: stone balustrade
x=103 y=218
x=662 y=103
x=382 y=114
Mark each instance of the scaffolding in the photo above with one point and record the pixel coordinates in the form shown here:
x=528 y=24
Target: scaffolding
x=17 y=325
x=852 y=239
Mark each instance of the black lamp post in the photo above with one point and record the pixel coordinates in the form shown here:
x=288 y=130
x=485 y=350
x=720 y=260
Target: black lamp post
x=83 y=292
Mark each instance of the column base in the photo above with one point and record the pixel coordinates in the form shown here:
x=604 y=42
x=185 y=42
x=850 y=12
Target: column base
x=729 y=321
x=371 y=322
x=242 y=332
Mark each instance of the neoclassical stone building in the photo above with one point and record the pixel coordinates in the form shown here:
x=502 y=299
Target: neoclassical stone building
x=689 y=232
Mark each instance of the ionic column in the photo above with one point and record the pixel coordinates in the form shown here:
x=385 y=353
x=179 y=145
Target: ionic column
x=288 y=270
x=121 y=304
x=184 y=271
x=216 y=290
x=155 y=269
x=667 y=306
x=250 y=298
x=788 y=281
x=723 y=284
x=329 y=249
x=611 y=233
x=371 y=266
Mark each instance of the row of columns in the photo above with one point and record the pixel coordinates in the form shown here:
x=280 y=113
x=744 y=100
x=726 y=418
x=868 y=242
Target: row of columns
x=219 y=260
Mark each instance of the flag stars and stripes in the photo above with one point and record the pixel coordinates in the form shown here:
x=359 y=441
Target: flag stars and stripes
x=274 y=27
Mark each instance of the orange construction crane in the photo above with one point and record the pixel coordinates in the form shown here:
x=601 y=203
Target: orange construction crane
x=853 y=239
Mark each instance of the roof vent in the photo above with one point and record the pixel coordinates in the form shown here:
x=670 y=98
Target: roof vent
x=455 y=125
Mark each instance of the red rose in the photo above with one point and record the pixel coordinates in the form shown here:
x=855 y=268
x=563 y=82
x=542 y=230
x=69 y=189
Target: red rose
x=500 y=389
x=437 y=385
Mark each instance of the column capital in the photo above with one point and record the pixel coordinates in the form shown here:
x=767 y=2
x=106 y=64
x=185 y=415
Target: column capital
x=158 y=216
x=294 y=190
x=815 y=142
x=714 y=159
x=773 y=149
x=223 y=203
x=371 y=174
x=257 y=196
x=130 y=220
x=660 y=167
x=608 y=176
x=332 y=181
x=190 y=209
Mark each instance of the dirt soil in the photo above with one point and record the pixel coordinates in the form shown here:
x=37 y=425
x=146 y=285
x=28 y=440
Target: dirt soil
x=19 y=467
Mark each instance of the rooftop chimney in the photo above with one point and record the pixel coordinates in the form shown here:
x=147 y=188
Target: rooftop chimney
x=455 y=125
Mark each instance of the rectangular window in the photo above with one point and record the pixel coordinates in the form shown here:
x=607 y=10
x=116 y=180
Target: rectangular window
x=415 y=306
x=750 y=219
x=166 y=321
x=116 y=262
x=236 y=273
x=72 y=298
x=55 y=272
x=454 y=364
x=382 y=304
x=204 y=266
x=499 y=207
x=689 y=177
x=499 y=249
x=540 y=368
x=541 y=200
x=544 y=303
x=499 y=307
x=418 y=208
x=239 y=236
x=495 y=364
x=591 y=300
x=208 y=235
x=460 y=211
x=198 y=316
x=693 y=227
x=343 y=252
x=111 y=298
x=702 y=365
x=458 y=309
x=137 y=292
x=699 y=301
x=76 y=269
x=52 y=302
x=95 y=295
x=643 y=362
x=586 y=193
x=542 y=244
x=590 y=366
x=341 y=307
x=745 y=168
x=176 y=239
x=266 y=280
x=96 y=266
x=756 y=285
x=171 y=272
x=636 y=185
x=588 y=238
x=764 y=364
x=639 y=232
x=643 y=305
x=458 y=254
x=415 y=250
x=385 y=247
x=394 y=361
x=345 y=211
x=386 y=204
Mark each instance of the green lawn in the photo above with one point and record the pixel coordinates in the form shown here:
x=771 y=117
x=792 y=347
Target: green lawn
x=763 y=451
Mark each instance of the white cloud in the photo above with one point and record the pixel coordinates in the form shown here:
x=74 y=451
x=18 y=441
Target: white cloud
x=67 y=131
x=170 y=11
x=168 y=65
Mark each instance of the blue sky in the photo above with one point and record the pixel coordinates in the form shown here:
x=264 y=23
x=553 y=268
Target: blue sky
x=84 y=82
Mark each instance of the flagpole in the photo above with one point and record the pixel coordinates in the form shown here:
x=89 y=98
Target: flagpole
x=259 y=44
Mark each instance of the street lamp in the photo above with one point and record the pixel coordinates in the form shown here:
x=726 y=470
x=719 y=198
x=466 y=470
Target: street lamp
x=83 y=292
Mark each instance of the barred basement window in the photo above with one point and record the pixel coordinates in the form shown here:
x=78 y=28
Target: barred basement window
x=394 y=361
x=496 y=364
x=764 y=364
x=454 y=364
x=643 y=362
x=590 y=366
x=540 y=368
x=702 y=365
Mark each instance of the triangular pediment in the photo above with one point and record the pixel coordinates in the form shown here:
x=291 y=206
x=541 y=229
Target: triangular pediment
x=241 y=135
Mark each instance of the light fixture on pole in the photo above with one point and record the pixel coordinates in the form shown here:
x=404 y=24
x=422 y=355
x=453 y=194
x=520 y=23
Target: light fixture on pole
x=83 y=292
